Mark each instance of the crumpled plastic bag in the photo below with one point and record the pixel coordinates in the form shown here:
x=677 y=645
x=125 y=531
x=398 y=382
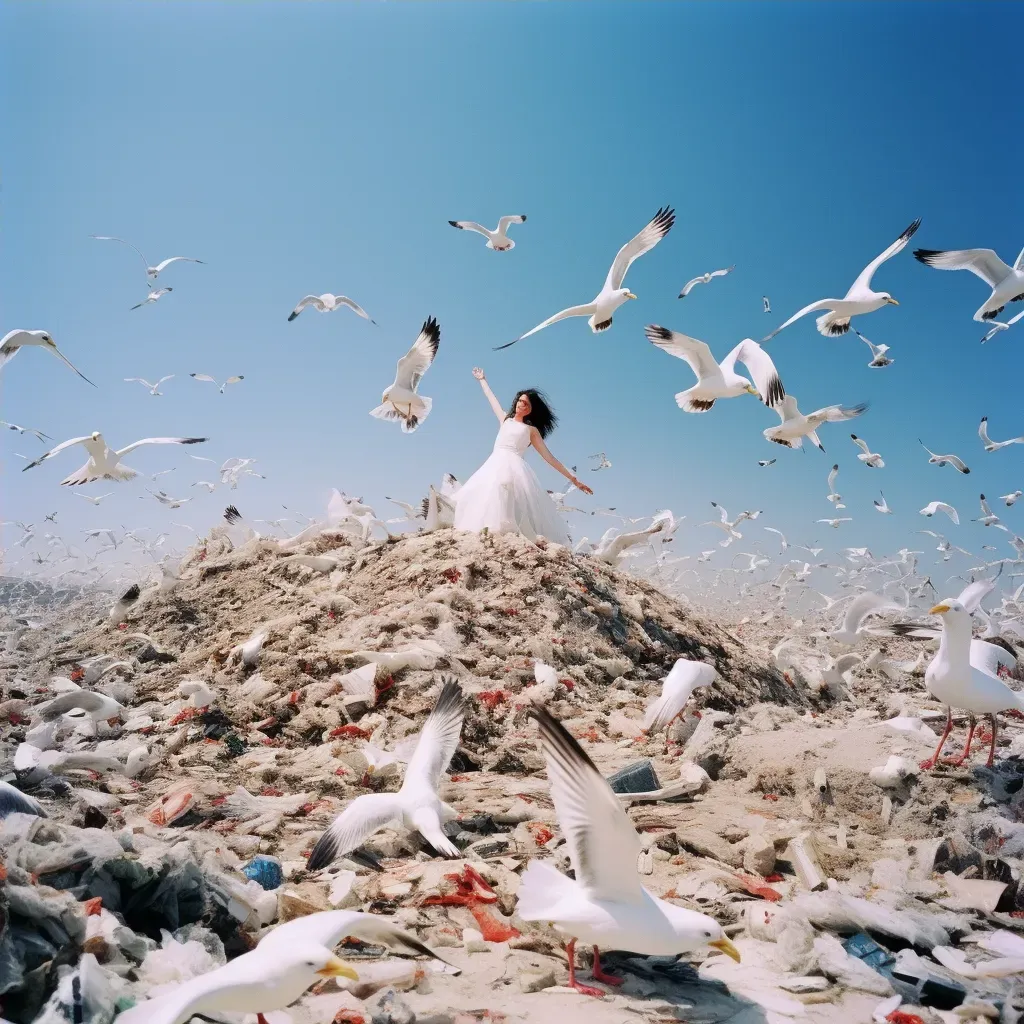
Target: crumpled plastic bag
x=834 y=961
x=86 y=995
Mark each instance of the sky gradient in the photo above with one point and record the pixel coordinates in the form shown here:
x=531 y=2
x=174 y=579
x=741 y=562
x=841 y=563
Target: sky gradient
x=311 y=147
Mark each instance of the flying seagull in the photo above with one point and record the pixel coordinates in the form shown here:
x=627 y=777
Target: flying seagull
x=871 y=459
x=21 y=430
x=766 y=303
x=14 y=341
x=104 y=462
x=146 y=383
x=834 y=523
x=795 y=426
x=766 y=462
x=833 y=496
x=152 y=273
x=497 y=239
x=1007 y=283
x=152 y=297
x=883 y=506
x=603 y=462
x=206 y=377
x=997 y=326
x=940 y=506
x=613 y=295
x=858 y=300
x=941 y=460
x=990 y=445
x=703 y=279
x=878 y=356
x=327 y=303
x=719 y=380
x=401 y=401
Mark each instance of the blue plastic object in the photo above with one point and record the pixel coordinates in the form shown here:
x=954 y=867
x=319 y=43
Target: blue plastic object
x=264 y=870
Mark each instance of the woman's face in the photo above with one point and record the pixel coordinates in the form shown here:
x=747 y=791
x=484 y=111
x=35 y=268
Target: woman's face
x=523 y=406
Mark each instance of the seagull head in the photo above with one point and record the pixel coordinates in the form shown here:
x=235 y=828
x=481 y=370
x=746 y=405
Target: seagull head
x=698 y=930
x=95 y=435
x=320 y=961
x=947 y=607
x=886 y=297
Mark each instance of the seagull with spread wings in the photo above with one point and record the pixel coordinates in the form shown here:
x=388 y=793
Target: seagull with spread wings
x=997 y=326
x=613 y=295
x=870 y=459
x=860 y=298
x=497 y=239
x=719 y=380
x=878 y=356
x=990 y=445
x=153 y=296
x=211 y=380
x=940 y=506
x=795 y=426
x=703 y=279
x=152 y=273
x=105 y=463
x=882 y=506
x=147 y=384
x=21 y=430
x=416 y=805
x=941 y=460
x=834 y=496
x=327 y=303
x=401 y=401
x=1007 y=283
x=14 y=341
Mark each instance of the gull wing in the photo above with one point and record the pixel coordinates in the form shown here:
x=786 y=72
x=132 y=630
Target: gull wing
x=647 y=239
x=833 y=473
x=983 y=263
x=820 y=304
x=344 y=300
x=983 y=431
x=835 y=414
x=417 y=360
x=861 y=444
x=762 y=369
x=722 y=273
x=863 y=281
x=111 y=238
x=585 y=310
x=470 y=225
x=689 y=285
x=159 y=440
x=203 y=376
x=174 y=259
x=306 y=300
x=438 y=739
x=684 y=677
x=603 y=844
x=59 y=448
x=696 y=353
x=974 y=593
x=67 y=362
x=515 y=218
x=862 y=606
x=356 y=823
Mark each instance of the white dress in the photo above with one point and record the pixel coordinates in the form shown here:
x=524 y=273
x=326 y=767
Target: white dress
x=505 y=495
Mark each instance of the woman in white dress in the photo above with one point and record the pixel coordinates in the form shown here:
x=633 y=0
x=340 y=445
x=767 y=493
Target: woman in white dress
x=504 y=494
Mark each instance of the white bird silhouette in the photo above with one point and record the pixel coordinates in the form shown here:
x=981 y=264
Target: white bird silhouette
x=871 y=459
x=833 y=496
x=941 y=460
x=878 y=356
x=1007 y=283
x=152 y=273
x=14 y=341
x=795 y=426
x=497 y=239
x=990 y=445
x=327 y=303
x=883 y=506
x=208 y=379
x=153 y=296
x=940 y=506
x=146 y=383
x=402 y=401
x=703 y=279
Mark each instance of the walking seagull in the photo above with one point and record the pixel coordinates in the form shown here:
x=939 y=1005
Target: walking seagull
x=497 y=239
x=14 y=341
x=104 y=462
x=858 y=300
x=612 y=295
x=401 y=401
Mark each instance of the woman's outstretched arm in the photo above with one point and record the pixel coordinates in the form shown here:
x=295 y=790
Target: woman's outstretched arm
x=495 y=404
x=538 y=442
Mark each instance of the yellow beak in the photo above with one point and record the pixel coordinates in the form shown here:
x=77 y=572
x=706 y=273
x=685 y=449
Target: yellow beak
x=751 y=390
x=892 y=300
x=337 y=969
x=939 y=609
x=630 y=295
x=726 y=947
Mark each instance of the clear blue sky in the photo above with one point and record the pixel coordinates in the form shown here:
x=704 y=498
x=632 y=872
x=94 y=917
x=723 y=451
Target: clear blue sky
x=310 y=147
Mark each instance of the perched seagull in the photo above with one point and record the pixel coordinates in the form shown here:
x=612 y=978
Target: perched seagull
x=1010 y=498
x=207 y=378
x=997 y=326
x=782 y=538
x=327 y=303
x=401 y=401
x=795 y=426
x=729 y=528
x=878 y=356
x=104 y=462
x=1007 y=283
x=497 y=239
x=988 y=517
x=605 y=902
x=858 y=300
x=766 y=462
x=954 y=677
x=703 y=279
x=164 y=499
x=766 y=303
x=940 y=506
x=883 y=506
x=860 y=608
x=613 y=295
x=676 y=689
x=146 y=383
x=871 y=459
x=21 y=430
x=719 y=380
x=416 y=805
x=603 y=462
x=941 y=460
x=990 y=445
x=14 y=341
x=152 y=273
x=834 y=523
x=153 y=296
x=97 y=706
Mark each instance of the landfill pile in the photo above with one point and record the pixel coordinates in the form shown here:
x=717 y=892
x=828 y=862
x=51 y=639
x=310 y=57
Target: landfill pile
x=240 y=709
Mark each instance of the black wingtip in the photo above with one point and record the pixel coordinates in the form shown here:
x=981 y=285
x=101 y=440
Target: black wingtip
x=508 y=344
x=653 y=331
x=292 y=316
x=232 y=515
x=322 y=854
x=523 y=215
x=194 y=440
x=911 y=228
x=131 y=594
x=925 y=256
x=455 y=224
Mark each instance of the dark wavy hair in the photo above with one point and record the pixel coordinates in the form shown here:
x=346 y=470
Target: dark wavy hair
x=542 y=416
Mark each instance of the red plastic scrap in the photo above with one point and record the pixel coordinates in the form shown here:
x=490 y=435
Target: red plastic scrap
x=470 y=890
x=385 y=684
x=900 y=1017
x=293 y=697
x=589 y=734
x=776 y=877
x=93 y=907
x=348 y=1017
x=491 y=929
x=452 y=575
x=770 y=796
x=77 y=674
x=331 y=615
x=349 y=732
x=271 y=791
x=15 y=719
x=540 y=832
x=492 y=698
x=184 y=715
x=757 y=888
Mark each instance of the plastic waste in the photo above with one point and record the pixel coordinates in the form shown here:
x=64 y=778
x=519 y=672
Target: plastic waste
x=266 y=871
x=85 y=995
x=638 y=777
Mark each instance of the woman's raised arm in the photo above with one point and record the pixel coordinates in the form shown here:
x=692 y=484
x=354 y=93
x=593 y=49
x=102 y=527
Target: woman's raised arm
x=542 y=449
x=495 y=404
